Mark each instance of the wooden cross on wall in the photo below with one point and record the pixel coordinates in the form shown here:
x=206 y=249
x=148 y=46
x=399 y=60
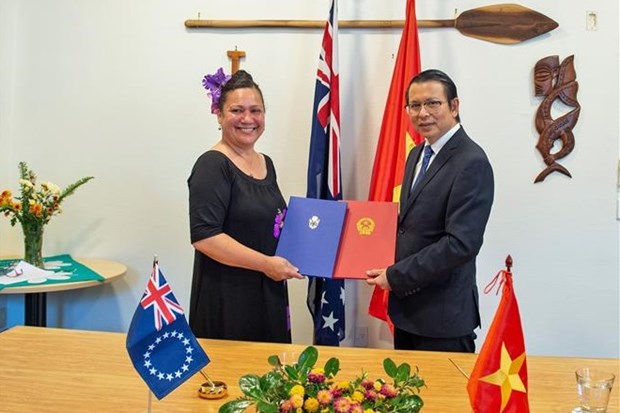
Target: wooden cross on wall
x=235 y=57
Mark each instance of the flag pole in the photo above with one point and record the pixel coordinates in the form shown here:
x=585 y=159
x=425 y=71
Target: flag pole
x=459 y=368
x=212 y=389
x=207 y=378
x=148 y=403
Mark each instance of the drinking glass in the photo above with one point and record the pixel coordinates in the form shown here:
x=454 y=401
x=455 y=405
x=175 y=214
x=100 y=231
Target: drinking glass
x=593 y=389
x=289 y=357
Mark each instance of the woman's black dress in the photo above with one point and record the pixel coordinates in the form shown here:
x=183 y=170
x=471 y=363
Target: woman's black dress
x=229 y=302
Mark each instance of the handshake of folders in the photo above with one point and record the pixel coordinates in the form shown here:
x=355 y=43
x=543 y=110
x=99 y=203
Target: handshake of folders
x=338 y=239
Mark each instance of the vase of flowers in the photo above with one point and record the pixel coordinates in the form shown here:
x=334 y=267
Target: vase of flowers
x=33 y=244
x=33 y=208
x=302 y=388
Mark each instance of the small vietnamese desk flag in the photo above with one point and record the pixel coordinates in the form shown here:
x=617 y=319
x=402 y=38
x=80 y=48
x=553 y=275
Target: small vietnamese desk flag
x=396 y=137
x=498 y=383
x=162 y=348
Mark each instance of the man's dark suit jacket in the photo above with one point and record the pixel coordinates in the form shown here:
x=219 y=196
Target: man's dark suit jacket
x=440 y=230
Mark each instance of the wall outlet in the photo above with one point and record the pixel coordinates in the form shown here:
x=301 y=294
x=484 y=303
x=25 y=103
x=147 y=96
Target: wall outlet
x=361 y=336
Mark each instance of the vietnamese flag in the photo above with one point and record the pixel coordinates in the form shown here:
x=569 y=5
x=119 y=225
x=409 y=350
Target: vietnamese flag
x=498 y=383
x=396 y=137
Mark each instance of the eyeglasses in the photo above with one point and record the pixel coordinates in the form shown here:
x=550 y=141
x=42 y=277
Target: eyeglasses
x=10 y=270
x=429 y=105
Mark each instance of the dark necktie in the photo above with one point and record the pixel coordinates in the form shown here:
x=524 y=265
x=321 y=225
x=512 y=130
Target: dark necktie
x=428 y=152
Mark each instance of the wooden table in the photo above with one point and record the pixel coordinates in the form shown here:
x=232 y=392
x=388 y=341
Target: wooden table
x=54 y=370
x=35 y=307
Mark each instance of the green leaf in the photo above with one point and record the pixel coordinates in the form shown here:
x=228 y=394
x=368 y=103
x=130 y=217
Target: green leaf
x=265 y=407
x=235 y=406
x=250 y=386
x=402 y=374
x=23 y=170
x=71 y=188
x=274 y=361
x=411 y=404
x=389 y=367
x=416 y=381
x=271 y=379
x=308 y=358
x=332 y=367
x=291 y=372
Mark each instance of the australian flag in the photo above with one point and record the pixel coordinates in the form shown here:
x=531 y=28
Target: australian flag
x=326 y=296
x=160 y=343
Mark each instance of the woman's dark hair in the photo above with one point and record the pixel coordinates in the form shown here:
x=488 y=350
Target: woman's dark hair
x=438 y=76
x=239 y=80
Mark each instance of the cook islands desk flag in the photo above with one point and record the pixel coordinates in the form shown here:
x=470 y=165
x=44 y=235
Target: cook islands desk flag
x=162 y=348
x=498 y=382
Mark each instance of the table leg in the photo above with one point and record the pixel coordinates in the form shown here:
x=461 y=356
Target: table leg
x=35 y=311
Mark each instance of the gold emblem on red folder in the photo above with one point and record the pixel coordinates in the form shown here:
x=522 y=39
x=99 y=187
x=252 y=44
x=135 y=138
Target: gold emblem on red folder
x=365 y=226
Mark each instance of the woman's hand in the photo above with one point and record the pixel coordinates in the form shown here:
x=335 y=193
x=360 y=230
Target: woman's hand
x=224 y=249
x=280 y=269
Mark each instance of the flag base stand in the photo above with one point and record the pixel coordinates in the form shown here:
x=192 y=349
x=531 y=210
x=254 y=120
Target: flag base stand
x=213 y=390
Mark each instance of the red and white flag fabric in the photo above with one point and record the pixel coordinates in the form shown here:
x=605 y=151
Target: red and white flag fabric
x=396 y=138
x=498 y=383
x=158 y=295
x=326 y=296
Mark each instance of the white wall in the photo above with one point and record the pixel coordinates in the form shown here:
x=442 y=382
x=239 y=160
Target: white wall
x=112 y=89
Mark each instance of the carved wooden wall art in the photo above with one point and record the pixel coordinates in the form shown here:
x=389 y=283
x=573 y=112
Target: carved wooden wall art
x=505 y=23
x=555 y=81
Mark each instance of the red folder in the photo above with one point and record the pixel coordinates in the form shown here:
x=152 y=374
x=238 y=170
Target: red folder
x=368 y=238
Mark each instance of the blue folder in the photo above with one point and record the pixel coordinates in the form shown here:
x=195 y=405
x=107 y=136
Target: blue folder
x=311 y=235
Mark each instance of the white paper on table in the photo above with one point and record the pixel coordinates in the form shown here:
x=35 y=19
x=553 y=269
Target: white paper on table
x=27 y=272
x=55 y=265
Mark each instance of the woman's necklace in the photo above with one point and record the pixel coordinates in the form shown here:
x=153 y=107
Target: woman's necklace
x=249 y=166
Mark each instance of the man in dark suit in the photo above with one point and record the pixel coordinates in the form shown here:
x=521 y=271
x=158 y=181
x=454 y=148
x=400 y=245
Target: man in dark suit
x=445 y=202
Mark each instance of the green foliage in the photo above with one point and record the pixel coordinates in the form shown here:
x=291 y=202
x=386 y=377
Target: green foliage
x=35 y=206
x=301 y=387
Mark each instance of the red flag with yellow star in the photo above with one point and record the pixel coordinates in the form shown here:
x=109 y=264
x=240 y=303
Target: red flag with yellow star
x=498 y=383
x=396 y=138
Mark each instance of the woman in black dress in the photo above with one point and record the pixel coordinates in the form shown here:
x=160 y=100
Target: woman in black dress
x=235 y=207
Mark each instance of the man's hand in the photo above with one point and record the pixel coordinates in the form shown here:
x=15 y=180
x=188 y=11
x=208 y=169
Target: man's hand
x=378 y=277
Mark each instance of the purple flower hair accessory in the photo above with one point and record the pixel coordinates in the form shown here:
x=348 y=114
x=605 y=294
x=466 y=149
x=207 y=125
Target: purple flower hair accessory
x=214 y=83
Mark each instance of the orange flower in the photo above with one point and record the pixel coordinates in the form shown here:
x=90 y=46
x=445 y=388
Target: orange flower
x=36 y=209
x=5 y=198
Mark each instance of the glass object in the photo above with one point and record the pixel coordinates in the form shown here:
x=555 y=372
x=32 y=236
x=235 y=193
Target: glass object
x=593 y=390
x=33 y=244
x=429 y=105
x=289 y=358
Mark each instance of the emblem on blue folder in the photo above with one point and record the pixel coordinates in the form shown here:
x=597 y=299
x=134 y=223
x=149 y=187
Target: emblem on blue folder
x=313 y=223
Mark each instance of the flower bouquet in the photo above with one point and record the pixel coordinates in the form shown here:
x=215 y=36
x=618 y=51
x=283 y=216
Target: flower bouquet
x=302 y=388
x=34 y=208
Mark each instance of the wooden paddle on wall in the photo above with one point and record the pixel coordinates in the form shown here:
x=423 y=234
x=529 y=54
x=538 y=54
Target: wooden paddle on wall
x=499 y=23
